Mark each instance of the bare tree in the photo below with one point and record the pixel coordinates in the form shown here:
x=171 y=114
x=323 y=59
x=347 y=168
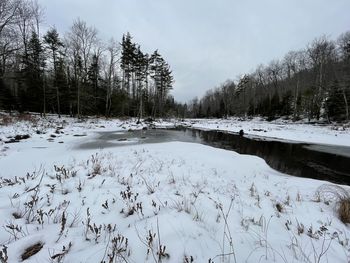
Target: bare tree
x=25 y=17
x=321 y=52
x=274 y=74
x=81 y=40
x=294 y=62
x=9 y=13
x=343 y=43
x=8 y=36
x=38 y=15
x=113 y=50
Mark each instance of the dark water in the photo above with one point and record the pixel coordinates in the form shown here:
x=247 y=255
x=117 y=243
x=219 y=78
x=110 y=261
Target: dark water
x=331 y=163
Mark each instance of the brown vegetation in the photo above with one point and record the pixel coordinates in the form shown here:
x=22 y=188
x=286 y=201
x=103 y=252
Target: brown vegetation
x=32 y=250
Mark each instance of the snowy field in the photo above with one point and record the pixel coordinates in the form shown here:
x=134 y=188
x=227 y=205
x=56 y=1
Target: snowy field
x=278 y=130
x=165 y=202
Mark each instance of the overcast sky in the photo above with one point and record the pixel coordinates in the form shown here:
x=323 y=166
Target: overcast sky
x=208 y=41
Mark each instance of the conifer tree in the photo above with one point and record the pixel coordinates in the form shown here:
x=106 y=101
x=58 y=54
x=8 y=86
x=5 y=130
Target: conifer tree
x=53 y=44
x=33 y=76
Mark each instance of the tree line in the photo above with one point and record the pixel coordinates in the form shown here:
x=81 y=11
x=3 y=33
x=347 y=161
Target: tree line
x=77 y=73
x=311 y=83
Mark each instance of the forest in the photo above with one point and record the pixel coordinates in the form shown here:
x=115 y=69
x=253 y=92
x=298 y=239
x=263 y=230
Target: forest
x=312 y=83
x=77 y=73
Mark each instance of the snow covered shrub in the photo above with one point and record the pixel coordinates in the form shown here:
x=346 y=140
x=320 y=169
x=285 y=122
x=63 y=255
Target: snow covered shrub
x=154 y=246
x=14 y=230
x=131 y=206
x=3 y=254
x=340 y=196
x=95 y=165
x=151 y=185
x=118 y=249
x=63 y=173
x=161 y=253
x=94 y=231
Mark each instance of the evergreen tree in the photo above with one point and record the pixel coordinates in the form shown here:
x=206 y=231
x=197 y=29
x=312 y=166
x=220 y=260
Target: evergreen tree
x=66 y=96
x=127 y=57
x=94 y=78
x=335 y=104
x=53 y=44
x=163 y=79
x=32 y=98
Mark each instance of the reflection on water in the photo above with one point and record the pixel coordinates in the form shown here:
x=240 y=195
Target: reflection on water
x=323 y=162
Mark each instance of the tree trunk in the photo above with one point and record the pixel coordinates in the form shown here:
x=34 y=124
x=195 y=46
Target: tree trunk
x=108 y=93
x=346 y=105
x=55 y=84
x=296 y=100
x=44 y=95
x=78 y=99
x=58 y=102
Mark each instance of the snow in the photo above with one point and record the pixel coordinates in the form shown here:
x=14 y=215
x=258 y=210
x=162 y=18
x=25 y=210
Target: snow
x=193 y=200
x=278 y=130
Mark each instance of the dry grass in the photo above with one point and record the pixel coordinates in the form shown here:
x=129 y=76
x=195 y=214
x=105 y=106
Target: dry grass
x=27 y=117
x=340 y=196
x=17 y=117
x=32 y=250
x=6 y=120
x=344 y=210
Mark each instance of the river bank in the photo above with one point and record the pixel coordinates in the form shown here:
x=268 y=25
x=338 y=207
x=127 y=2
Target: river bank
x=174 y=201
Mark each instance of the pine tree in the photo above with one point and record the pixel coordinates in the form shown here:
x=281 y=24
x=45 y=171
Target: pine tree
x=94 y=77
x=53 y=44
x=126 y=59
x=163 y=79
x=66 y=96
x=33 y=76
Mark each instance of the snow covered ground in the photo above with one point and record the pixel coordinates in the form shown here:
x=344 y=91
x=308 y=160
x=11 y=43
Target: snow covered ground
x=165 y=202
x=278 y=130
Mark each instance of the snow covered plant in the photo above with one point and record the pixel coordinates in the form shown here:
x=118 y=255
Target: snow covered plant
x=130 y=201
x=3 y=254
x=16 y=231
x=340 y=196
x=155 y=248
x=91 y=229
x=96 y=168
x=63 y=174
x=117 y=249
x=100 y=164
x=151 y=186
x=31 y=204
x=59 y=257
x=227 y=236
